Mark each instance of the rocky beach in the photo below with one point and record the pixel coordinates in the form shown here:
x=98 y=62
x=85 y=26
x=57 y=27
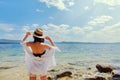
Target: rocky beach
x=68 y=71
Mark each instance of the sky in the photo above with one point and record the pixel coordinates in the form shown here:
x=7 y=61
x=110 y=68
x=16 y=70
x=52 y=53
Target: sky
x=62 y=20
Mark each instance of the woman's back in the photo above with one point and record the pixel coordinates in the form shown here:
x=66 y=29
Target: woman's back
x=37 y=47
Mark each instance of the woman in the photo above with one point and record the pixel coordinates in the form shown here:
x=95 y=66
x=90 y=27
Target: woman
x=39 y=55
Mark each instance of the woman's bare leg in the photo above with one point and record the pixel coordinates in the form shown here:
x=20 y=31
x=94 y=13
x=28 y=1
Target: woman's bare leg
x=43 y=77
x=32 y=77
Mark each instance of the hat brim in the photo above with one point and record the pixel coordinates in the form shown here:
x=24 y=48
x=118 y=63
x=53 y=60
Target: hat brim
x=38 y=36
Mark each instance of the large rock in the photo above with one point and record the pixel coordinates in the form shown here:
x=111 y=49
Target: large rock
x=105 y=69
x=116 y=75
x=49 y=78
x=64 y=74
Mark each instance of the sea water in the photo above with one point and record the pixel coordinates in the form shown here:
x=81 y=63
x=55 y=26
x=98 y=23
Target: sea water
x=79 y=54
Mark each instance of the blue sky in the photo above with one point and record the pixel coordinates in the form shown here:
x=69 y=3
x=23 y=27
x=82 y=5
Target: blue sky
x=63 y=20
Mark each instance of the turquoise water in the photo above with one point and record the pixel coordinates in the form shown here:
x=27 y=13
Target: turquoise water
x=71 y=53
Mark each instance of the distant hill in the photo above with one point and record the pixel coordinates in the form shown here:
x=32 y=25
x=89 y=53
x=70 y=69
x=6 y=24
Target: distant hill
x=7 y=41
x=65 y=42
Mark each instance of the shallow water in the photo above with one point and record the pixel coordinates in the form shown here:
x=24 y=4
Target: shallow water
x=71 y=53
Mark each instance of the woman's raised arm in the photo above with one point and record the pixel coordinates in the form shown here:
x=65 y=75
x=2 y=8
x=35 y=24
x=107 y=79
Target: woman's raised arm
x=50 y=40
x=26 y=36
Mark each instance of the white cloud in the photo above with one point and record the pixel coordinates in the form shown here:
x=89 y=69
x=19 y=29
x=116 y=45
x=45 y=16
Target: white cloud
x=60 y=4
x=78 y=30
x=38 y=10
x=61 y=32
x=71 y=3
x=35 y=25
x=58 y=32
x=86 y=8
x=106 y=34
x=111 y=8
x=6 y=27
x=12 y=36
x=100 y=20
x=108 y=2
x=26 y=28
x=64 y=32
x=8 y=36
x=30 y=27
x=51 y=17
x=88 y=28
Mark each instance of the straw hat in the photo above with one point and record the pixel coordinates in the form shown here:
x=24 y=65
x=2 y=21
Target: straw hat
x=38 y=33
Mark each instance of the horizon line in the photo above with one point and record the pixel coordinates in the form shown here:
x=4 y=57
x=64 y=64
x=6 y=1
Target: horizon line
x=67 y=41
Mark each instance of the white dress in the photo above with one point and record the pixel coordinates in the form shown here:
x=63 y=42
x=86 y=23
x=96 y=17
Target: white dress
x=39 y=65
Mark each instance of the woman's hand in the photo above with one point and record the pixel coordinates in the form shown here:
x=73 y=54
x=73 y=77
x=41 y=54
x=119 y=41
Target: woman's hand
x=28 y=33
x=47 y=38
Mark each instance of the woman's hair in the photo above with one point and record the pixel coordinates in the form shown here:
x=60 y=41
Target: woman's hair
x=38 y=39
